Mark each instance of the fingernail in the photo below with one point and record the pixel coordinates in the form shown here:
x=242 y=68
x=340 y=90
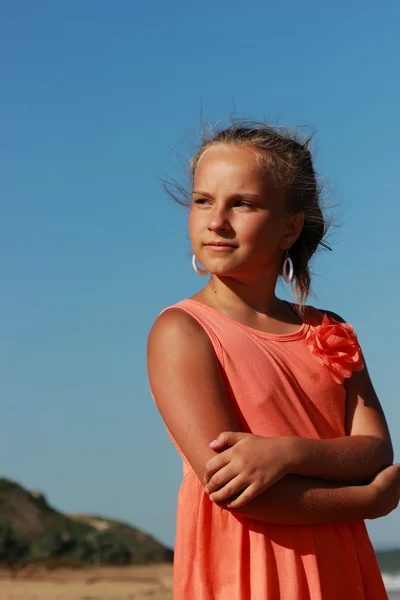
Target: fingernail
x=213 y=443
x=207 y=489
x=212 y=497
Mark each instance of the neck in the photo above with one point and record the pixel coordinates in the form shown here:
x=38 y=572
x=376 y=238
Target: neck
x=257 y=297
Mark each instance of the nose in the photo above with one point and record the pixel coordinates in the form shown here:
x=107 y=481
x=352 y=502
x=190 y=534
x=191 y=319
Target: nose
x=219 y=221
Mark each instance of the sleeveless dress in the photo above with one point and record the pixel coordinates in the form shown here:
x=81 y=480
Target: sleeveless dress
x=279 y=385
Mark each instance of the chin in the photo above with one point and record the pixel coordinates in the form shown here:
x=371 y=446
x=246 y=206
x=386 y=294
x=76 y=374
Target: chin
x=220 y=265
x=221 y=271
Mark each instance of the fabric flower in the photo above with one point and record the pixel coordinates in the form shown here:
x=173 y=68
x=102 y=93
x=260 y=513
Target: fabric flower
x=336 y=346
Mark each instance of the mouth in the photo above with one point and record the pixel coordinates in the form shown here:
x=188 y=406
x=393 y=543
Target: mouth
x=220 y=246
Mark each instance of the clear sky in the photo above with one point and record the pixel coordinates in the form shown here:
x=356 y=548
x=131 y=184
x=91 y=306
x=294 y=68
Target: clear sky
x=97 y=100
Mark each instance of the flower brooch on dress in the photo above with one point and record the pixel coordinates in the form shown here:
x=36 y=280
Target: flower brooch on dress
x=336 y=347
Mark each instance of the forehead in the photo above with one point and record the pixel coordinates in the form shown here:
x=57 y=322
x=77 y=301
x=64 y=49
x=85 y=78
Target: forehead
x=233 y=154
x=233 y=165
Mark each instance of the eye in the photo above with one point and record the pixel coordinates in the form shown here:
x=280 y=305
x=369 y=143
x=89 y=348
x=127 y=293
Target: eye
x=200 y=200
x=244 y=204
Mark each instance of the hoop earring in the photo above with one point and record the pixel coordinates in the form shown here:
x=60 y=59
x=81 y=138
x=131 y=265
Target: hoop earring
x=197 y=269
x=287 y=269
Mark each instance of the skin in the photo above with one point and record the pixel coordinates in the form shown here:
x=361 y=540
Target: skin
x=281 y=480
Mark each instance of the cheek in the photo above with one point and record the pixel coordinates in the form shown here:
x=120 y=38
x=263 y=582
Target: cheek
x=264 y=236
x=191 y=221
x=195 y=226
x=258 y=231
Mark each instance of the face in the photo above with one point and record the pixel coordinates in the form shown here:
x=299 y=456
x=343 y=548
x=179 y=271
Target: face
x=238 y=223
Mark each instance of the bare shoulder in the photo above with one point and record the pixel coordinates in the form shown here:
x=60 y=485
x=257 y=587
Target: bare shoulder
x=176 y=326
x=178 y=341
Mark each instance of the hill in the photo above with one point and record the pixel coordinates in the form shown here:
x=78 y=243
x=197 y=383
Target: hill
x=31 y=528
x=146 y=548
x=27 y=521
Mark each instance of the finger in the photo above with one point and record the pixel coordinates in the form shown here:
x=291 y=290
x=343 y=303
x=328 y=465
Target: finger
x=215 y=464
x=244 y=498
x=227 y=491
x=220 y=478
x=226 y=438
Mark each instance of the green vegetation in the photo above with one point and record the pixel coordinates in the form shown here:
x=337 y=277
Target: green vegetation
x=13 y=548
x=32 y=531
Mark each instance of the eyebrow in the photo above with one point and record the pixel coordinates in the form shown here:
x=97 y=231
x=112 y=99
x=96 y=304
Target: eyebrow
x=244 y=196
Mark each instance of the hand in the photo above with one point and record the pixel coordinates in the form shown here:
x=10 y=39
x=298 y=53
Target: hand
x=248 y=466
x=386 y=492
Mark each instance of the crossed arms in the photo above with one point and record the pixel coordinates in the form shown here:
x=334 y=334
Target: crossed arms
x=318 y=481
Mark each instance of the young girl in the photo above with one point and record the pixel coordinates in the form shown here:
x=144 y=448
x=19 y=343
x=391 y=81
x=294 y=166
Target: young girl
x=284 y=443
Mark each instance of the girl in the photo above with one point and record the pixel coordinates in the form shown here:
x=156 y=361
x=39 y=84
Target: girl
x=284 y=443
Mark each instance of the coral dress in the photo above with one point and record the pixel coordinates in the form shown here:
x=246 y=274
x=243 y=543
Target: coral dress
x=280 y=385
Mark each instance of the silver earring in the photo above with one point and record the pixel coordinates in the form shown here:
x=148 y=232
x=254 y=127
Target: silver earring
x=196 y=267
x=287 y=269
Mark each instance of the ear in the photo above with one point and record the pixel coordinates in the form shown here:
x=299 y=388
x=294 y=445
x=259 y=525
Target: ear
x=294 y=228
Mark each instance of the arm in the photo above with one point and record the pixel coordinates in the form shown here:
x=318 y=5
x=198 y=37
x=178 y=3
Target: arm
x=302 y=501
x=356 y=458
x=365 y=450
x=253 y=463
x=187 y=385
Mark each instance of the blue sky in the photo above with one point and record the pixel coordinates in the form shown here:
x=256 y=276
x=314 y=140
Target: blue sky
x=100 y=101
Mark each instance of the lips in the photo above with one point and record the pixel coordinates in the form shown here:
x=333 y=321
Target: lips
x=220 y=245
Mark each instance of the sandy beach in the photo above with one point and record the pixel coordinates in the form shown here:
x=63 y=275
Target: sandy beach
x=131 y=583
